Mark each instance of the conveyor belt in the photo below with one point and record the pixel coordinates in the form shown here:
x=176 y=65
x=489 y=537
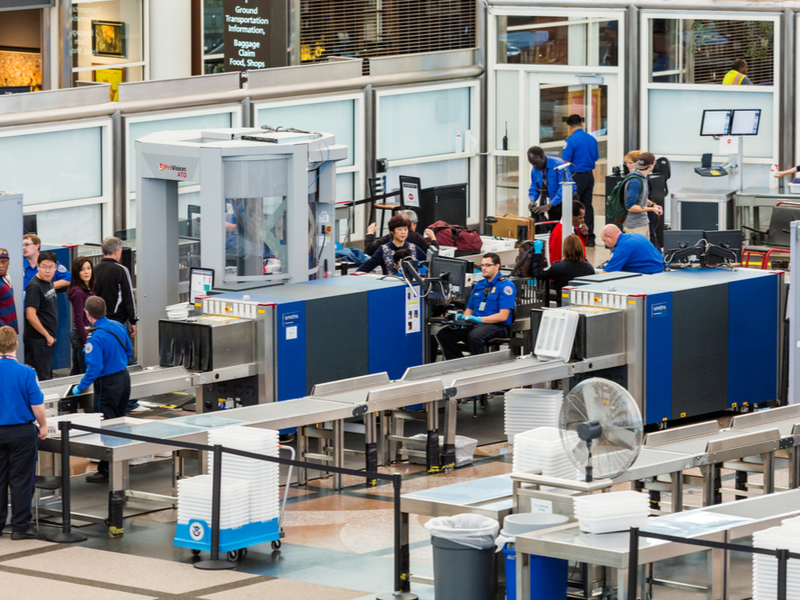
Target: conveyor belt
x=651 y=463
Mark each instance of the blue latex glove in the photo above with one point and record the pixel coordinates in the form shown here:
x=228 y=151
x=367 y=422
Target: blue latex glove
x=473 y=319
x=538 y=245
x=460 y=317
x=75 y=391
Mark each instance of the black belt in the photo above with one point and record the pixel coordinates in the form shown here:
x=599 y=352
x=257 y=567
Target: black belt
x=584 y=172
x=17 y=424
x=112 y=374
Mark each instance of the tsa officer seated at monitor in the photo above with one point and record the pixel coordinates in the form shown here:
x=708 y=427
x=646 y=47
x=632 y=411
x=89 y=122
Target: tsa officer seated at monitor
x=545 y=191
x=490 y=309
x=630 y=252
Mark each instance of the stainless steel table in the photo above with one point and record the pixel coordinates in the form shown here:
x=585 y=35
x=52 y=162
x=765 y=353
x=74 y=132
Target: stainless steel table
x=715 y=523
x=749 y=202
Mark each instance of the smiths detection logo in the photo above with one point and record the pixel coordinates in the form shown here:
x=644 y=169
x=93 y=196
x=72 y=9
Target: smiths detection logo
x=179 y=171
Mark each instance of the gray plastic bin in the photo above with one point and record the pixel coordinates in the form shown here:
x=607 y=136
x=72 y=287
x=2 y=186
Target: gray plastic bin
x=462 y=573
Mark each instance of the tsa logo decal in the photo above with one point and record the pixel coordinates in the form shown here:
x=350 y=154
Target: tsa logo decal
x=196 y=531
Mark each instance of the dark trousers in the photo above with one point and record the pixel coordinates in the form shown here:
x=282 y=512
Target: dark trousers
x=584 y=184
x=78 y=359
x=453 y=339
x=40 y=356
x=17 y=468
x=112 y=393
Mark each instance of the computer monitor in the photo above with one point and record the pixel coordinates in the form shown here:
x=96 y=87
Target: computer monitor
x=716 y=122
x=681 y=239
x=201 y=281
x=28 y=224
x=451 y=270
x=730 y=239
x=745 y=121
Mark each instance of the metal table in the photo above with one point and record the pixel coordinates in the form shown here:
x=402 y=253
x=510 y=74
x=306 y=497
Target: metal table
x=687 y=211
x=715 y=523
x=749 y=202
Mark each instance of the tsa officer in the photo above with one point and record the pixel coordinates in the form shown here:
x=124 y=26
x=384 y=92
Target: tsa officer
x=21 y=403
x=31 y=247
x=107 y=350
x=545 y=191
x=580 y=149
x=490 y=308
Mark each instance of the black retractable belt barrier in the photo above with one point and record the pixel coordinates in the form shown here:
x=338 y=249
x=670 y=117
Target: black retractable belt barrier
x=782 y=555
x=432 y=457
x=372 y=462
x=401 y=553
x=448 y=456
x=66 y=536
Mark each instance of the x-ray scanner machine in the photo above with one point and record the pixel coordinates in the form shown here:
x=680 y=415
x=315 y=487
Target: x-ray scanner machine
x=266 y=204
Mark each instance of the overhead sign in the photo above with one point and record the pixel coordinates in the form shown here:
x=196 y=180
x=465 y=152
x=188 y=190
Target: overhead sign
x=254 y=33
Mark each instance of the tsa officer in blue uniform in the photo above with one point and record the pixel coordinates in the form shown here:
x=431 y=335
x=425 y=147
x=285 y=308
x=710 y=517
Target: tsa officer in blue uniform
x=107 y=350
x=21 y=403
x=580 y=149
x=545 y=191
x=490 y=308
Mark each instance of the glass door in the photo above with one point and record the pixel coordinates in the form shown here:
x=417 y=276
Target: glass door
x=554 y=97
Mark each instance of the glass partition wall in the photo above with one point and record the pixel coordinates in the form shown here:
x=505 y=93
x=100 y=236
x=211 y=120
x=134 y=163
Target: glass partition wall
x=685 y=61
x=546 y=64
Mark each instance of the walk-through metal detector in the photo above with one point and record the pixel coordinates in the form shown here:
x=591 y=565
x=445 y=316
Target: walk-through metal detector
x=11 y=240
x=266 y=204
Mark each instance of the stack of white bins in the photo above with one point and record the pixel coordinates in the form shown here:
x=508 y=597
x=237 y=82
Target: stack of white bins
x=765 y=568
x=262 y=476
x=527 y=409
x=194 y=502
x=541 y=448
x=615 y=511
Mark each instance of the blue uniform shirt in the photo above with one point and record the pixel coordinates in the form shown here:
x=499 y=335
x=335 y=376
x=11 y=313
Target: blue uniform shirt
x=635 y=254
x=18 y=393
x=62 y=273
x=105 y=354
x=554 y=179
x=581 y=150
x=499 y=293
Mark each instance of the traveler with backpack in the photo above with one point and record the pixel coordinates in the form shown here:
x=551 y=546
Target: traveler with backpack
x=545 y=191
x=637 y=190
x=384 y=255
x=490 y=308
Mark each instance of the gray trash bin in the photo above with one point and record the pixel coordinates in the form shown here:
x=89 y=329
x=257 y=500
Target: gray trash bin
x=463 y=557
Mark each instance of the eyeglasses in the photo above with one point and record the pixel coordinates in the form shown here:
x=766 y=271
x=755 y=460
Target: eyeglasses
x=44 y=267
x=26 y=244
x=486 y=265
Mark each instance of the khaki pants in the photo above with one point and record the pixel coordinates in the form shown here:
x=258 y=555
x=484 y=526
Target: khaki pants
x=644 y=230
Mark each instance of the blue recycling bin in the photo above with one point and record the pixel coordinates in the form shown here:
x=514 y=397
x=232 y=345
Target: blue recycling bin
x=548 y=576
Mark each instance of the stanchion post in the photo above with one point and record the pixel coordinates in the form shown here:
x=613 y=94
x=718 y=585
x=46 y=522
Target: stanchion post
x=66 y=535
x=215 y=564
x=633 y=564
x=783 y=560
x=401 y=581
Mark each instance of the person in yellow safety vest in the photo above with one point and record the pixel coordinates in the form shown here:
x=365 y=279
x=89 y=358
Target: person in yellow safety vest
x=738 y=74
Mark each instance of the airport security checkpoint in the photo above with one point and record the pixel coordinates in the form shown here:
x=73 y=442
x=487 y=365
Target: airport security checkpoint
x=612 y=388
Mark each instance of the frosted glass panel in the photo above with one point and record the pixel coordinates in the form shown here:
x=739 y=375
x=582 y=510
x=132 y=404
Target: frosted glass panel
x=675 y=115
x=336 y=117
x=446 y=172
x=79 y=225
x=53 y=167
x=143 y=128
x=344 y=187
x=422 y=124
x=683 y=176
x=507 y=101
x=184 y=200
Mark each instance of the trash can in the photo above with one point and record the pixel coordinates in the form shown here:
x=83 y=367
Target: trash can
x=548 y=576
x=463 y=556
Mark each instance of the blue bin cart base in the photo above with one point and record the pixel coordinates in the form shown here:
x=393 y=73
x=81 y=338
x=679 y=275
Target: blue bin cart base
x=196 y=535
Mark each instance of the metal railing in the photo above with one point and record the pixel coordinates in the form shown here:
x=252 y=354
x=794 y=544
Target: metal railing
x=401 y=576
x=782 y=555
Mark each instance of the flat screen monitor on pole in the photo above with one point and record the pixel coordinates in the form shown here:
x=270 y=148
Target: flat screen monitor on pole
x=716 y=122
x=200 y=282
x=745 y=121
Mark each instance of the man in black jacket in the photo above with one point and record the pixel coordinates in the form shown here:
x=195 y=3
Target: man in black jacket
x=420 y=241
x=113 y=284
